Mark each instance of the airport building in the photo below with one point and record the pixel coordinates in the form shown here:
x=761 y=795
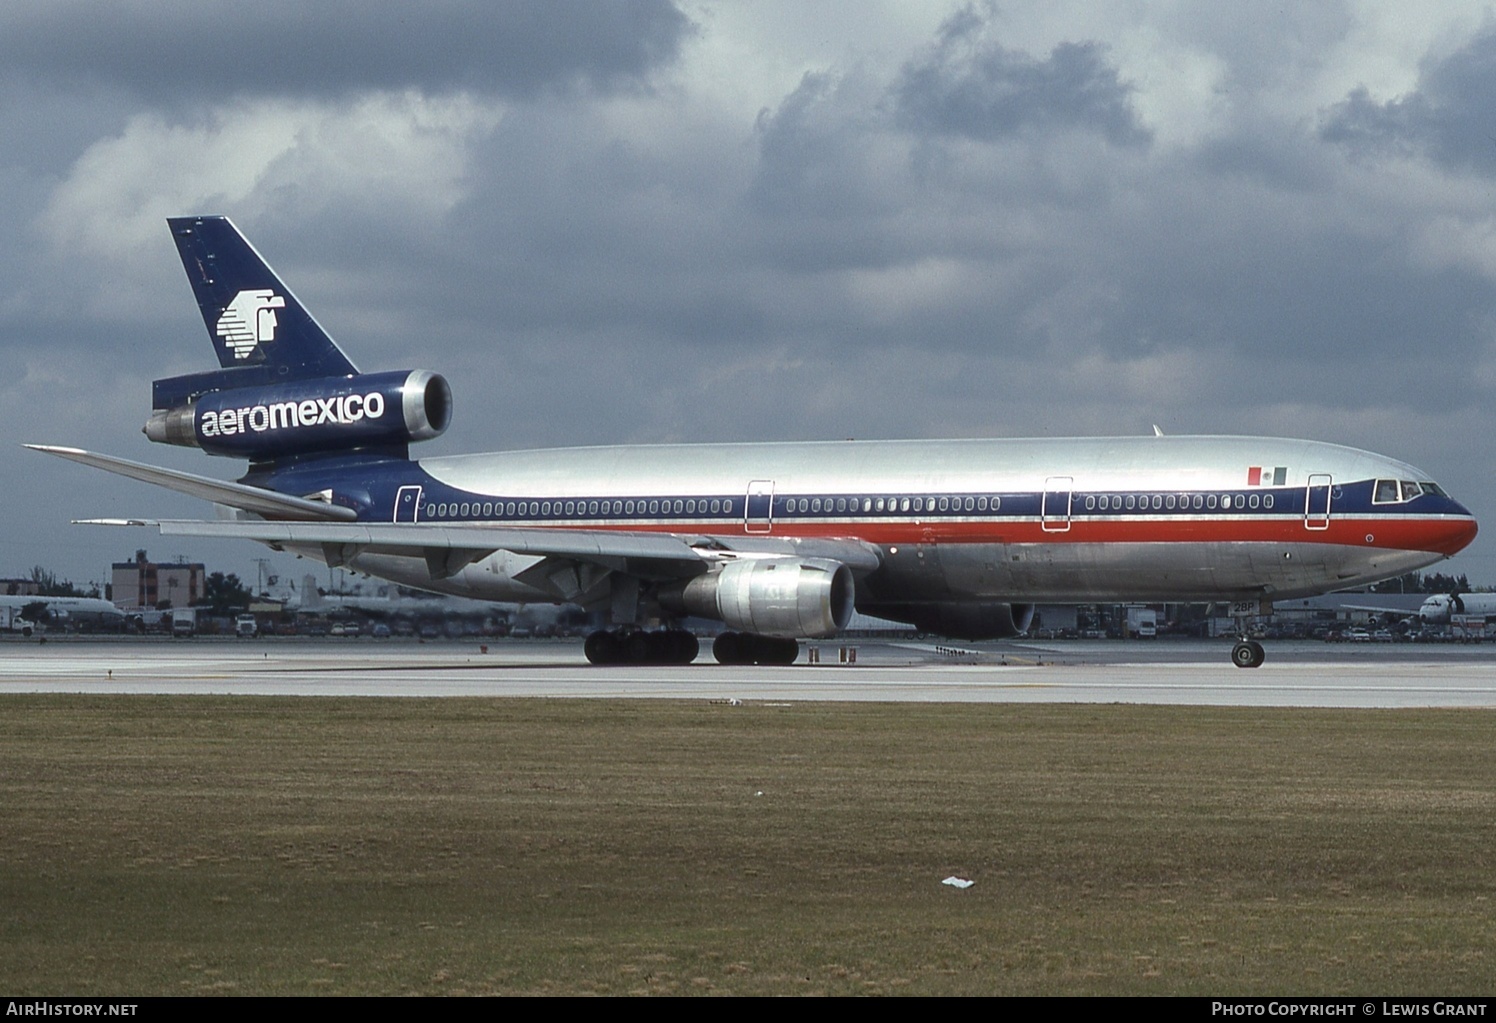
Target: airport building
x=143 y=583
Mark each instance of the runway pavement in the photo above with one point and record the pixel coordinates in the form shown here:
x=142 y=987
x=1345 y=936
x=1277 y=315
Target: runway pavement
x=1163 y=672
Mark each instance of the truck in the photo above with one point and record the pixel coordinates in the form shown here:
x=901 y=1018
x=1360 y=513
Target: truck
x=184 y=622
x=1142 y=623
x=1467 y=628
x=12 y=620
x=247 y=626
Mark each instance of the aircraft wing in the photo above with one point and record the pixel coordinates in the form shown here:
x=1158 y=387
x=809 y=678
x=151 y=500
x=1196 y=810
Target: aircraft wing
x=235 y=495
x=447 y=549
x=1399 y=611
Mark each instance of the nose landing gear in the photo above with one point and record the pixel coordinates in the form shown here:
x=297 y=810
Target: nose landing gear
x=1248 y=653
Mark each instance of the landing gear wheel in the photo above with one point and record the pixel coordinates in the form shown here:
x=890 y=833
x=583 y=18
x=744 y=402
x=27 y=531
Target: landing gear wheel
x=748 y=648
x=684 y=647
x=1248 y=653
x=667 y=646
x=601 y=648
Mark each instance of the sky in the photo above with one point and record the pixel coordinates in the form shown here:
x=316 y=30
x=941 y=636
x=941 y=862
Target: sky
x=657 y=221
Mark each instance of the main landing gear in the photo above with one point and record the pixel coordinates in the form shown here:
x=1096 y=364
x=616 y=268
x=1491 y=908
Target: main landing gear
x=747 y=648
x=626 y=646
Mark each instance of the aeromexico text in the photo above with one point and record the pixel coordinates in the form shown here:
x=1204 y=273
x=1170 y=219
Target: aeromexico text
x=309 y=415
x=342 y=410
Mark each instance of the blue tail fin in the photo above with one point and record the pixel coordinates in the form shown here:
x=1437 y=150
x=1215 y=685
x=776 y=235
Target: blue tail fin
x=252 y=317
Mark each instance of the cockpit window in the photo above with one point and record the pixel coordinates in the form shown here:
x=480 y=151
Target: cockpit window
x=1400 y=491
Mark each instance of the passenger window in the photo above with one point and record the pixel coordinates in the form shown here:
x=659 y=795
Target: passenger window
x=1241 y=502
x=945 y=504
x=1267 y=500
x=1252 y=500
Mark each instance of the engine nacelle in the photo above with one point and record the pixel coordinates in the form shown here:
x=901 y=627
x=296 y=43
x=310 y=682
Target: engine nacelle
x=786 y=597
x=329 y=414
x=961 y=620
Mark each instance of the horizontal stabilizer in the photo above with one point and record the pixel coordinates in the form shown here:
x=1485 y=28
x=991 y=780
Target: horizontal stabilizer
x=235 y=495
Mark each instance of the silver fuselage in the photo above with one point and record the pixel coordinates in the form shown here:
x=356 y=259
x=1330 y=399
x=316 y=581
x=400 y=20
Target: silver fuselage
x=1065 y=520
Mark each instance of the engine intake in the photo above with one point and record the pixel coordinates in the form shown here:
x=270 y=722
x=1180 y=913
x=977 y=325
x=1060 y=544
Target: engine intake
x=329 y=414
x=786 y=597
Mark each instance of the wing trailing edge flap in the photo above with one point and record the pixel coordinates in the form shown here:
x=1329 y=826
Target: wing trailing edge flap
x=234 y=495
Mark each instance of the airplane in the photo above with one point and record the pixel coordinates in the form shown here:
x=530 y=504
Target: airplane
x=63 y=610
x=778 y=541
x=1439 y=608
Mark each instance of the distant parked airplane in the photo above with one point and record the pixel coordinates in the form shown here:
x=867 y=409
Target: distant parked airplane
x=63 y=610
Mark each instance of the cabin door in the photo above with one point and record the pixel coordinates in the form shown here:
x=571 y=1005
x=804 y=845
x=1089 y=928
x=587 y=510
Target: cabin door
x=758 y=510
x=1317 y=501
x=407 y=504
x=1054 y=516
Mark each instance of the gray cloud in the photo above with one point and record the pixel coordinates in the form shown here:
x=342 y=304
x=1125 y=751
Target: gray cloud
x=969 y=85
x=177 y=52
x=1450 y=116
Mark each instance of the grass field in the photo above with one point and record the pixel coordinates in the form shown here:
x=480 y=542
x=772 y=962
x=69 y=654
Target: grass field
x=165 y=845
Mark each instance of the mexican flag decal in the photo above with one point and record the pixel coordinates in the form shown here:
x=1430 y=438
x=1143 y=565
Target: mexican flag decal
x=1257 y=476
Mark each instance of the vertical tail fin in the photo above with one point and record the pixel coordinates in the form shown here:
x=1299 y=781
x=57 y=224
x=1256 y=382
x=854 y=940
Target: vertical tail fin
x=253 y=319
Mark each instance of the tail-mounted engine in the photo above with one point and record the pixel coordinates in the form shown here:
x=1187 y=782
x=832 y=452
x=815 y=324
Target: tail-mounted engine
x=302 y=416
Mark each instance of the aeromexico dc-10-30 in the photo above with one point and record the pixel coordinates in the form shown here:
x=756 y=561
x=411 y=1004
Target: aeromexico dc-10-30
x=779 y=541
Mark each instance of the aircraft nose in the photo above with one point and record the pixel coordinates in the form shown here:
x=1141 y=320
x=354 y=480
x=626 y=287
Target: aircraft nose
x=1449 y=536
